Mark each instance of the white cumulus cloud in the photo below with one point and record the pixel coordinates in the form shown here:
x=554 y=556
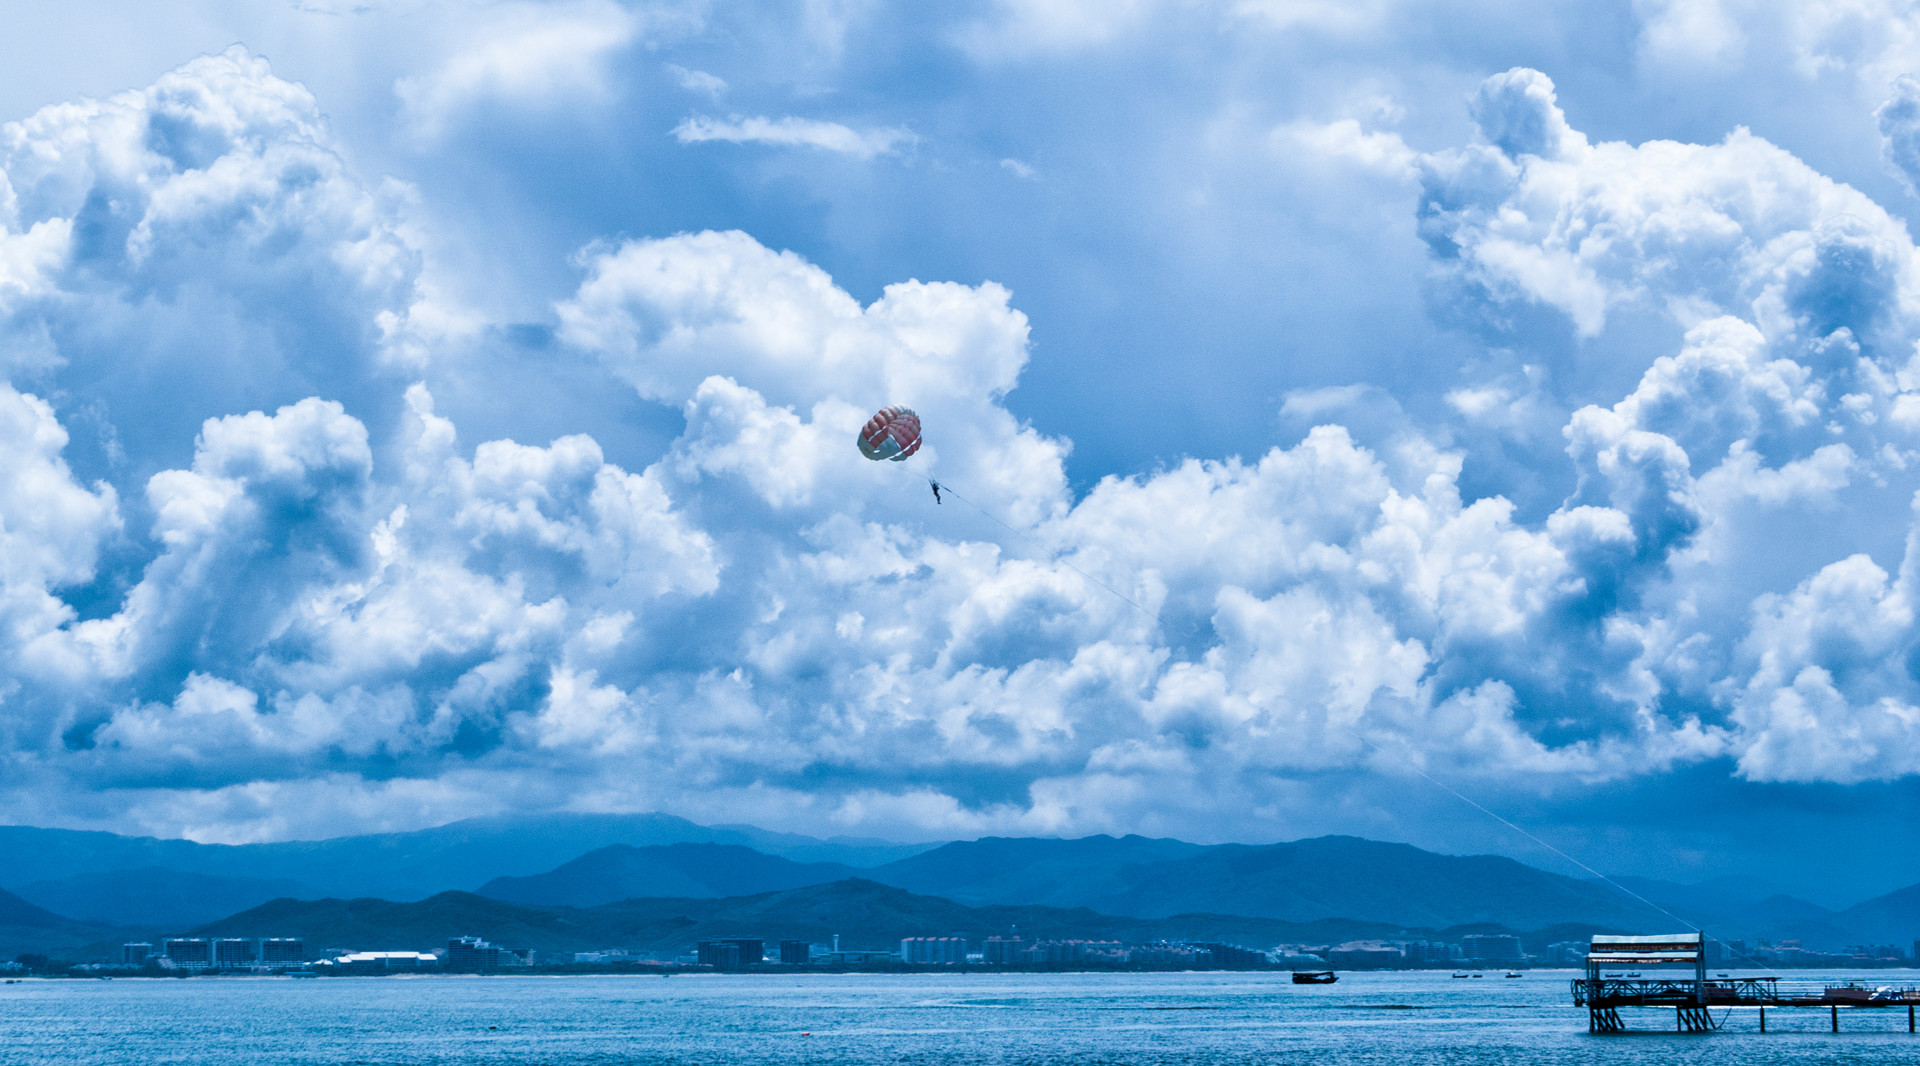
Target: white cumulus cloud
x=791 y=132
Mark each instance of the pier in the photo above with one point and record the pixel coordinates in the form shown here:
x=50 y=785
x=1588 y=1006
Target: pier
x=1693 y=999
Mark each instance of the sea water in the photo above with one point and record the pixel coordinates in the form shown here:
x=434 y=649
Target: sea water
x=1396 y=1018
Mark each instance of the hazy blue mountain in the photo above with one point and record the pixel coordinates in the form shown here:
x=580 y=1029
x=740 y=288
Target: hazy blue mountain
x=593 y=858
x=25 y=927
x=20 y=913
x=865 y=914
x=404 y=866
x=155 y=896
x=1031 y=870
x=1890 y=919
x=1305 y=880
x=859 y=852
x=694 y=871
x=1736 y=908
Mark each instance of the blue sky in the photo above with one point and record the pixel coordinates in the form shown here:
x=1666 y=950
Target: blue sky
x=426 y=409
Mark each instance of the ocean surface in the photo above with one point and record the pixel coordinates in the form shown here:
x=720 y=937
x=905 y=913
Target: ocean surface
x=1388 y=1018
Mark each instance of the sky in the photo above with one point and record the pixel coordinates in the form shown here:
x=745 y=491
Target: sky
x=1354 y=413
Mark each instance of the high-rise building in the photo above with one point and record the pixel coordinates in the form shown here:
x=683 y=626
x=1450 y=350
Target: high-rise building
x=795 y=952
x=934 y=950
x=188 y=951
x=1353 y=955
x=470 y=954
x=1002 y=950
x=1235 y=957
x=1567 y=953
x=233 y=952
x=1057 y=951
x=1492 y=947
x=731 y=953
x=282 y=949
x=136 y=953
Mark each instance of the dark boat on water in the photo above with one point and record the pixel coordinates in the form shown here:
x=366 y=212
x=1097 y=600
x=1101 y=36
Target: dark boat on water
x=1314 y=977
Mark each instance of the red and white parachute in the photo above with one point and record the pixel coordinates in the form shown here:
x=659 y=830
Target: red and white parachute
x=892 y=433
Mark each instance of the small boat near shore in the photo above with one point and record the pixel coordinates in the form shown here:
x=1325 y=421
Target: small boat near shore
x=1314 y=977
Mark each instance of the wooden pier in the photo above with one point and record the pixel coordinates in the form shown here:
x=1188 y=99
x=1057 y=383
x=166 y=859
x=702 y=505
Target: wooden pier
x=1694 y=999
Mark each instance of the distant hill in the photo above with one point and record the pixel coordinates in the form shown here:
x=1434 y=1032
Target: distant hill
x=1731 y=908
x=694 y=871
x=1890 y=919
x=1060 y=873
x=404 y=866
x=19 y=913
x=25 y=927
x=419 y=925
x=588 y=860
x=154 y=896
x=865 y=914
x=1301 y=881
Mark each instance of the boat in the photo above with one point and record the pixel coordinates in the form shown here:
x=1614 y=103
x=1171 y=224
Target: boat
x=1514 y=973
x=1314 y=977
x=1458 y=976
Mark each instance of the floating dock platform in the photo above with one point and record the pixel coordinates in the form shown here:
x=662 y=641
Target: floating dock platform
x=1693 y=1000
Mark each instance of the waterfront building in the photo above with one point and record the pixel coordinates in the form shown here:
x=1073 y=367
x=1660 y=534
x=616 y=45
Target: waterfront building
x=188 y=951
x=1567 y=953
x=136 y=953
x=1002 y=950
x=280 y=950
x=934 y=950
x=1366 y=955
x=795 y=952
x=1067 y=951
x=855 y=957
x=1183 y=956
x=1438 y=952
x=1235 y=957
x=470 y=954
x=233 y=952
x=1491 y=947
x=375 y=963
x=731 y=953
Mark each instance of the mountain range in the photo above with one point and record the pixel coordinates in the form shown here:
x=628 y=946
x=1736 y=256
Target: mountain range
x=1302 y=881
x=26 y=928
x=143 y=881
x=865 y=914
x=72 y=888
x=695 y=871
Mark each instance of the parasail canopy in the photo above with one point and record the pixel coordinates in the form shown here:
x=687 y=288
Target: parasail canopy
x=892 y=433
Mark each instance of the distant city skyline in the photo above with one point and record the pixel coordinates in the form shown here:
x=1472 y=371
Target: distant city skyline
x=1347 y=415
